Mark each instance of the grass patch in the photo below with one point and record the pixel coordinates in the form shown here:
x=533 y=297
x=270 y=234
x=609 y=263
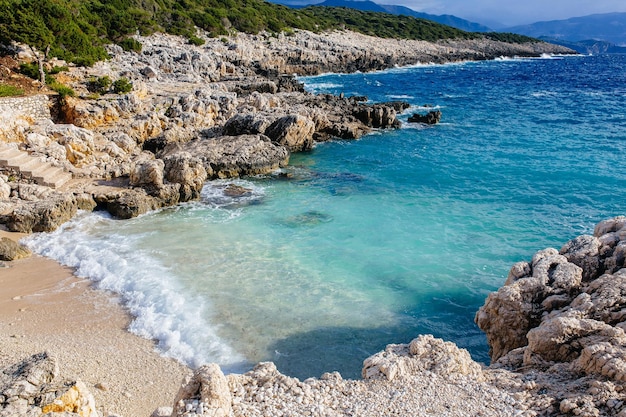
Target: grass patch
x=10 y=91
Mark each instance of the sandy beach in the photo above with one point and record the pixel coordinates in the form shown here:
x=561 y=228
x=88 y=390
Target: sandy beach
x=44 y=307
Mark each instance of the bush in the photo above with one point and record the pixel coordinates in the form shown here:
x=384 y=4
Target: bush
x=30 y=69
x=10 y=90
x=122 y=86
x=58 y=69
x=62 y=89
x=99 y=85
x=194 y=40
x=130 y=45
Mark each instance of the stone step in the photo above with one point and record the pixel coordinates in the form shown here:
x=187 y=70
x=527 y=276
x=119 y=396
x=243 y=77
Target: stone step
x=15 y=161
x=57 y=180
x=42 y=172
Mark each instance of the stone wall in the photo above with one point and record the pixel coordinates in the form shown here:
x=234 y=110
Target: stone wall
x=33 y=107
x=17 y=114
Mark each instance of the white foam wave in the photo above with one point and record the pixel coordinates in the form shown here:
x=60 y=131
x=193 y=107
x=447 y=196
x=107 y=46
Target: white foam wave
x=160 y=307
x=400 y=97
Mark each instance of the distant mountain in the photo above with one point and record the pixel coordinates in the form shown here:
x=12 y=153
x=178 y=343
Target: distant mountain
x=589 y=46
x=370 y=6
x=609 y=27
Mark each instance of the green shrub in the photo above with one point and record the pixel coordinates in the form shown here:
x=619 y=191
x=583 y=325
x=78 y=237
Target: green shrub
x=130 y=45
x=30 y=69
x=62 y=89
x=122 y=86
x=59 y=69
x=10 y=90
x=194 y=40
x=99 y=85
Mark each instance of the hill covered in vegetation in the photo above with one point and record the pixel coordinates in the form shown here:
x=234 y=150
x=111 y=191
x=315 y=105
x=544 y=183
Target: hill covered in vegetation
x=76 y=30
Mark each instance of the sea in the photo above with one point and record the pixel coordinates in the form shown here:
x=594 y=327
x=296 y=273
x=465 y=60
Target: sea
x=359 y=244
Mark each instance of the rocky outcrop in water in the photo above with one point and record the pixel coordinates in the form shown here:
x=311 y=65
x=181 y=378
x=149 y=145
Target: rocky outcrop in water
x=430 y=118
x=564 y=314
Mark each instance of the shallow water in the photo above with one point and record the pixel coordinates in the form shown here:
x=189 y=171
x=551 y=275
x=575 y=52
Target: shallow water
x=378 y=240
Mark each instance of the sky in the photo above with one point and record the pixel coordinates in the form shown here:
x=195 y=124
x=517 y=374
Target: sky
x=512 y=12
x=502 y=13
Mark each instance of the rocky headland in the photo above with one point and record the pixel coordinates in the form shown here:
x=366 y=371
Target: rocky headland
x=232 y=107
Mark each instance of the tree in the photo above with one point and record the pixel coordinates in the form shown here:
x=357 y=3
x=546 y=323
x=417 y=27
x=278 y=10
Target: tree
x=20 y=22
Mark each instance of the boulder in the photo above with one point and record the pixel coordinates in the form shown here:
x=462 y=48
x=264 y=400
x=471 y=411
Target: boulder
x=185 y=169
x=147 y=173
x=430 y=118
x=295 y=132
x=78 y=142
x=128 y=203
x=246 y=124
x=205 y=393
x=5 y=189
x=423 y=354
x=43 y=215
x=377 y=116
x=234 y=156
x=11 y=250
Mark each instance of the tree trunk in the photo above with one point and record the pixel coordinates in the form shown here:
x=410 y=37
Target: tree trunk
x=40 y=60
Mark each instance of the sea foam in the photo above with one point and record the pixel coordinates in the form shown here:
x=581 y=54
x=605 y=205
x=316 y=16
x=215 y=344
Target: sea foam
x=161 y=308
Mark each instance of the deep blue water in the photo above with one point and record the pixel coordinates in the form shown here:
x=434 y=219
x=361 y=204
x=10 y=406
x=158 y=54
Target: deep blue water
x=374 y=241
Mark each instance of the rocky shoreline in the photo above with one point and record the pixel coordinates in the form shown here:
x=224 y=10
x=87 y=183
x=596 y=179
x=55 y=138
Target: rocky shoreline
x=232 y=108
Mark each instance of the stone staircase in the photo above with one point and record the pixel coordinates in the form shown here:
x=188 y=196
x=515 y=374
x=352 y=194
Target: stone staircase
x=43 y=173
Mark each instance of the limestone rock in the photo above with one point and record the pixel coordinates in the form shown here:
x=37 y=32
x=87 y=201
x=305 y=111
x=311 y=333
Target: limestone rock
x=430 y=118
x=185 y=169
x=41 y=216
x=11 y=250
x=22 y=385
x=248 y=124
x=5 y=189
x=126 y=204
x=377 y=116
x=425 y=353
x=78 y=142
x=147 y=173
x=206 y=393
x=295 y=132
x=76 y=399
x=234 y=156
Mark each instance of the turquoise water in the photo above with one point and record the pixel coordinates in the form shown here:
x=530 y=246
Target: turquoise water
x=378 y=240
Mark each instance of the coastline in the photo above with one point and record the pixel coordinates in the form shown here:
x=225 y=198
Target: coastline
x=87 y=332
x=44 y=307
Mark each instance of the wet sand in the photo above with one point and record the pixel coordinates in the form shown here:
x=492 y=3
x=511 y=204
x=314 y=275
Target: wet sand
x=44 y=307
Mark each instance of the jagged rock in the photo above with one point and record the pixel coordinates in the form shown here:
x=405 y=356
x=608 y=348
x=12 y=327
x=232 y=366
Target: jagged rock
x=11 y=250
x=185 y=169
x=75 y=400
x=78 y=142
x=377 y=116
x=234 y=156
x=126 y=204
x=147 y=174
x=295 y=132
x=246 y=124
x=425 y=353
x=431 y=118
x=5 y=189
x=206 y=393
x=22 y=386
x=43 y=215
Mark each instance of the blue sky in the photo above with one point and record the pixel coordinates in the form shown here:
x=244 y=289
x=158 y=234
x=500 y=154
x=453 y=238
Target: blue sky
x=501 y=13
x=512 y=12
